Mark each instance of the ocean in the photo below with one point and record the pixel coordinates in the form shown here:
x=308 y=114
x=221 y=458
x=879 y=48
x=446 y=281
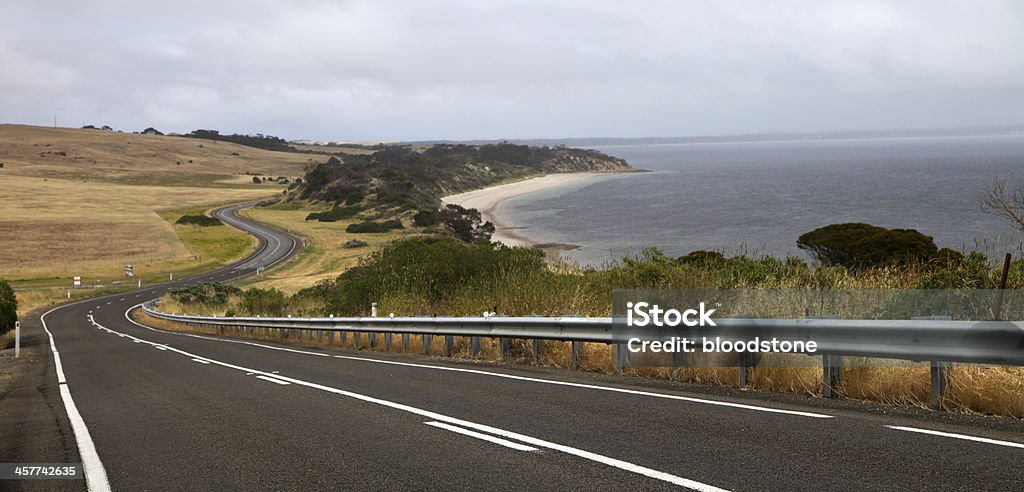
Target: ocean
x=757 y=198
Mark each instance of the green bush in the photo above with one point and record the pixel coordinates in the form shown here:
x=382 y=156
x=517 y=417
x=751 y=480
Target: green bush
x=199 y=220
x=355 y=243
x=205 y=293
x=370 y=226
x=264 y=302
x=8 y=307
x=858 y=245
x=335 y=214
x=429 y=268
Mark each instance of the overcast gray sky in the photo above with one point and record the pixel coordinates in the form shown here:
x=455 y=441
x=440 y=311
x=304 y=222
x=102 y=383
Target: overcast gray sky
x=361 y=70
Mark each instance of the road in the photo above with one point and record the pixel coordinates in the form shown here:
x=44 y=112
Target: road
x=152 y=410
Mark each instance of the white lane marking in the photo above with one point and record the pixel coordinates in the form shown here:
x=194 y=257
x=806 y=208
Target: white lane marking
x=273 y=380
x=160 y=347
x=540 y=443
x=508 y=376
x=95 y=474
x=121 y=299
x=958 y=436
x=485 y=437
x=201 y=361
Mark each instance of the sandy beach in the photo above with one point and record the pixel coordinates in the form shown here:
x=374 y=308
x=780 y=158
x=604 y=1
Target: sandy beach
x=487 y=201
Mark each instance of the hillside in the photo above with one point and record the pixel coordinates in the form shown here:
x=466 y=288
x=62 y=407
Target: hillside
x=85 y=202
x=402 y=178
x=128 y=158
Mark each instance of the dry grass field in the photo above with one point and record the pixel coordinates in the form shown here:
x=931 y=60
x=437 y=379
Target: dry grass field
x=85 y=202
x=323 y=256
x=111 y=157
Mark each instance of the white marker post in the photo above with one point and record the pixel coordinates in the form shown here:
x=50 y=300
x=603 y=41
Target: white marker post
x=17 y=339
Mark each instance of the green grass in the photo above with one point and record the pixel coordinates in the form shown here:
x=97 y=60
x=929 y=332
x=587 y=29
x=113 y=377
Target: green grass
x=214 y=245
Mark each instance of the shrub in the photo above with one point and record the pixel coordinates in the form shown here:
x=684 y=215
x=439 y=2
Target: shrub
x=355 y=243
x=425 y=218
x=432 y=268
x=860 y=245
x=205 y=293
x=335 y=214
x=370 y=226
x=257 y=180
x=198 y=220
x=8 y=307
x=264 y=302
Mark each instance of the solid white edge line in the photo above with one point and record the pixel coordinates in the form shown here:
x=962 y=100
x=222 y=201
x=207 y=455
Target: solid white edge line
x=95 y=473
x=958 y=436
x=201 y=361
x=503 y=375
x=540 y=443
x=273 y=380
x=496 y=440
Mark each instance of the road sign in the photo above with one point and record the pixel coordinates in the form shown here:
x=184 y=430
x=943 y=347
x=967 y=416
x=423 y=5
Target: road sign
x=129 y=271
x=77 y=281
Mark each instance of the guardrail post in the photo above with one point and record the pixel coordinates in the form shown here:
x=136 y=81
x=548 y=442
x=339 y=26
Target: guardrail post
x=939 y=372
x=832 y=370
x=746 y=362
x=678 y=361
x=427 y=339
x=330 y=337
x=620 y=357
x=940 y=378
x=574 y=355
x=831 y=367
x=474 y=346
x=405 y=342
x=373 y=339
x=503 y=345
x=449 y=345
x=538 y=344
x=387 y=341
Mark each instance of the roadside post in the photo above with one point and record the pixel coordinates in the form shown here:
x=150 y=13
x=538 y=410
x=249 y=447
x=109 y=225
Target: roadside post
x=17 y=339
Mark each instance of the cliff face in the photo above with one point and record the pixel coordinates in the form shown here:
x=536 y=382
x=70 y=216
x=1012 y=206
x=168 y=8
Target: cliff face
x=401 y=178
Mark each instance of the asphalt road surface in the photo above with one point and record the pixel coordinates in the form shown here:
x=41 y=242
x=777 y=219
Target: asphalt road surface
x=151 y=410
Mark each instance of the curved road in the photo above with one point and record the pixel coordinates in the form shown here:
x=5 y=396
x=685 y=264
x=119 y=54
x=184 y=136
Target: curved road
x=153 y=410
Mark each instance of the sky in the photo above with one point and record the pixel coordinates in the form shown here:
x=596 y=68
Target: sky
x=439 y=69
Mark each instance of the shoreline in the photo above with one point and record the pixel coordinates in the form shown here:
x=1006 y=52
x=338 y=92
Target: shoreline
x=487 y=200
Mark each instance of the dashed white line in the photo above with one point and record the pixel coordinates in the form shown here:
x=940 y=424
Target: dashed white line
x=434 y=416
x=273 y=380
x=508 y=376
x=485 y=437
x=958 y=436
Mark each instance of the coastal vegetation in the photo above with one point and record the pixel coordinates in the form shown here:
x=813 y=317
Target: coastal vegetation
x=397 y=179
x=858 y=245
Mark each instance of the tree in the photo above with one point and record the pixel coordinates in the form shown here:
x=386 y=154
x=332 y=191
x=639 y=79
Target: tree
x=8 y=307
x=864 y=245
x=1001 y=200
x=465 y=224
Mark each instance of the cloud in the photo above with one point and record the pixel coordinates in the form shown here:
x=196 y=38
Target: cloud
x=462 y=69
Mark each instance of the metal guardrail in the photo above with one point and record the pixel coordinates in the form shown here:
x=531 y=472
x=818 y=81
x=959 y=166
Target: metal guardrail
x=935 y=339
